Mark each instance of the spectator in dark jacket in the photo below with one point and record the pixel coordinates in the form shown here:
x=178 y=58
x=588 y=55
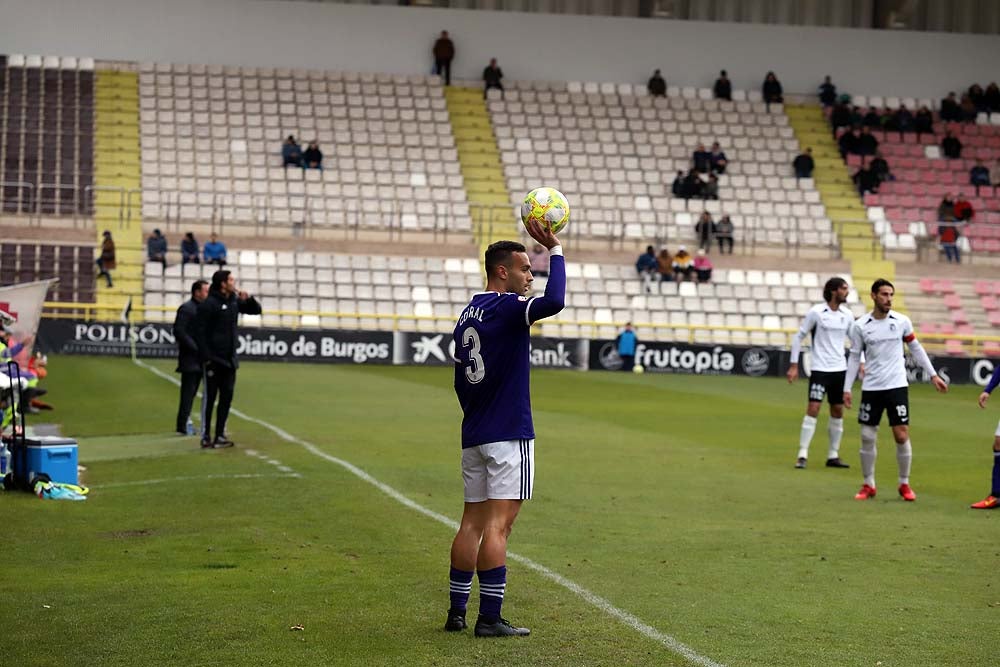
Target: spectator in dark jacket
x=492 y=74
x=444 y=53
x=701 y=160
x=717 y=159
x=291 y=152
x=903 y=120
x=848 y=143
x=979 y=175
x=978 y=97
x=951 y=147
x=106 y=260
x=704 y=229
x=950 y=111
x=827 y=92
x=156 y=248
x=216 y=327
x=993 y=98
x=710 y=189
x=804 y=164
x=647 y=267
x=866 y=144
x=946 y=209
x=657 y=85
x=969 y=110
x=840 y=116
x=677 y=188
x=313 y=157
x=923 y=121
x=724 y=234
x=872 y=118
x=189 y=250
x=880 y=168
x=771 y=90
x=188 y=361
x=866 y=181
x=692 y=185
x=723 y=88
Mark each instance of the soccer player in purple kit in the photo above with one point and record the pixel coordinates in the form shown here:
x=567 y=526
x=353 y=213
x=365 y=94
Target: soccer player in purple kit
x=492 y=352
x=991 y=501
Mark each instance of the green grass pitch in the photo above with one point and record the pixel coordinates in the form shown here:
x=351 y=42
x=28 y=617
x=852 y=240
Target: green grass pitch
x=674 y=498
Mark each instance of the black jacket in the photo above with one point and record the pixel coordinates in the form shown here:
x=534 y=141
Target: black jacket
x=217 y=317
x=186 y=334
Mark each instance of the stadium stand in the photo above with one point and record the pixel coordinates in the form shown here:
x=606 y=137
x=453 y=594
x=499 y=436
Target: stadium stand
x=211 y=139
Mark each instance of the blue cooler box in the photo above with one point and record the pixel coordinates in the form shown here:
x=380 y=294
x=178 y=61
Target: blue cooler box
x=54 y=456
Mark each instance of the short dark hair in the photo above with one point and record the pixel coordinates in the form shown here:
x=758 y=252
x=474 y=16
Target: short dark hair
x=880 y=283
x=219 y=277
x=196 y=286
x=831 y=286
x=499 y=253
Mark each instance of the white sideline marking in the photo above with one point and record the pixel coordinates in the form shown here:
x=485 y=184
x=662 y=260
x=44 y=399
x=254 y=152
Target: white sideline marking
x=146 y=482
x=604 y=605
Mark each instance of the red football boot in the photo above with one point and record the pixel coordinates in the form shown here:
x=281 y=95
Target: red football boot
x=991 y=502
x=865 y=493
x=907 y=493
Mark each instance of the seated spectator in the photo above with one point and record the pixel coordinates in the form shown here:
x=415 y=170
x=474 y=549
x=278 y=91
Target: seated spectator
x=979 y=175
x=702 y=266
x=963 y=209
x=693 y=185
x=866 y=144
x=848 y=143
x=902 y=119
x=827 y=92
x=771 y=90
x=946 y=209
x=190 y=253
x=710 y=189
x=948 y=234
x=539 y=258
x=647 y=267
x=657 y=85
x=992 y=98
x=718 y=160
x=880 y=168
x=724 y=234
x=856 y=116
x=677 y=189
x=978 y=97
x=866 y=181
x=969 y=110
x=156 y=248
x=683 y=265
x=665 y=265
x=704 y=229
x=872 y=119
x=291 y=153
x=214 y=251
x=491 y=77
x=723 y=88
x=701 y=160
x=923 y=121
x=950 y=111
x=840 y=117
x=804 y=164
x=313 y=157
x=951 y=147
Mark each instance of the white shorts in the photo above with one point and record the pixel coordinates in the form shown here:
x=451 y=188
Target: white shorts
x=499 y=471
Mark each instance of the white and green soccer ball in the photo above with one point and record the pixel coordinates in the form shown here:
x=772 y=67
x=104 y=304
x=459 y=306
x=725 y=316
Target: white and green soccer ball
x=638 y=369
x=548 y=207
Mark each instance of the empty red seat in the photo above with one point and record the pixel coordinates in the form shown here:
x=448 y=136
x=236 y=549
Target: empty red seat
x=953 y=347
x=953 y=301
x=945 y=286
x=991 y=348
x=983 y=287
x=928 y=328
x=927 y=285
x=993 y=317
x=947 y=328
x=989 y=302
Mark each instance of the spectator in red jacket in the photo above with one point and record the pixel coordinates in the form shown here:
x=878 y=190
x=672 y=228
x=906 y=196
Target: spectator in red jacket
x=963 y=209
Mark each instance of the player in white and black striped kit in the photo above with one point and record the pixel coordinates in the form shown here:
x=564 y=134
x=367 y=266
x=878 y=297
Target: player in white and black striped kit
x=880 y=335
x=828 y=324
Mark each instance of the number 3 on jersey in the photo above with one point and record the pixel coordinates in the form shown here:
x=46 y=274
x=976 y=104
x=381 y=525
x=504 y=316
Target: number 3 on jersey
x=476 y=370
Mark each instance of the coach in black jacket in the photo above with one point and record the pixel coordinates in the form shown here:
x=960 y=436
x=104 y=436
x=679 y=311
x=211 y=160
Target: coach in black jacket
x=188 y=362
x=216 y=326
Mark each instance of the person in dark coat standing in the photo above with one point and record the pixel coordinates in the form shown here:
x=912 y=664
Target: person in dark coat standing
x=216 y=327
x=188 y=362
x=106 y=260
x=444 y=53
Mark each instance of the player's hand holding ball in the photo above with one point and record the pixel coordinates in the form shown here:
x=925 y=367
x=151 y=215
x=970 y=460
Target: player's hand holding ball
x=545 y=212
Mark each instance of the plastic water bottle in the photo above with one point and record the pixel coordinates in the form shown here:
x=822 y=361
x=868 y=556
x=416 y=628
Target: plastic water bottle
x=190 y=427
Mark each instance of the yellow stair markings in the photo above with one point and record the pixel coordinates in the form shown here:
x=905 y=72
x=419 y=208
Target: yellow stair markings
x=117 y=168
x=479 y=160
x=844 y=207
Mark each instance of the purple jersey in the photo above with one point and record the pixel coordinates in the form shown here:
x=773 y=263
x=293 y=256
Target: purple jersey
x=492 y=351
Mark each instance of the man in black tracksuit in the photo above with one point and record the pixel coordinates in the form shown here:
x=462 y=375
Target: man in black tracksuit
x=188 y=362
x=216 y=326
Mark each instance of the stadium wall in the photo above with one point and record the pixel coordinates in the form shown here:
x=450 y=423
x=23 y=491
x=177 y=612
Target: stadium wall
x=529 y=46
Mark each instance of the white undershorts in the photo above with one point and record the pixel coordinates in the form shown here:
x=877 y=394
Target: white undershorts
x=997 y=431
x=499 y=471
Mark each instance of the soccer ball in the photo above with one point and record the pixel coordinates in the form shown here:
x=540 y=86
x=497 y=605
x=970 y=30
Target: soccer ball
x=547 y=206
x=638 y=369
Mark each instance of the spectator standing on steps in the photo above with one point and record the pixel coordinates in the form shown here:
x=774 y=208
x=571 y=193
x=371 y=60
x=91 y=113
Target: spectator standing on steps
x=106 y=260
x=444 y=53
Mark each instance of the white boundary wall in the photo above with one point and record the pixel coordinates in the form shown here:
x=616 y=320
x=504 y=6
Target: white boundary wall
x=529 y=46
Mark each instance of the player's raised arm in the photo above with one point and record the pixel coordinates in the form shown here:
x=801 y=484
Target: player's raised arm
x=554 y=298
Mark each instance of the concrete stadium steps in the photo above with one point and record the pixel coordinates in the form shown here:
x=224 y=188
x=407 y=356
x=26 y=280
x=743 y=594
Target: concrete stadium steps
x=858 y=242
x=480 y=163
x=118 y=177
